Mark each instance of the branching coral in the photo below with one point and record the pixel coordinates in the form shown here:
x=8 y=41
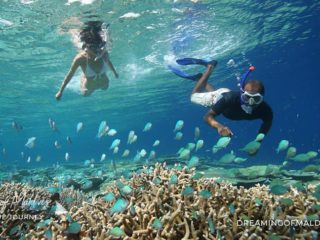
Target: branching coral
x=163 y=203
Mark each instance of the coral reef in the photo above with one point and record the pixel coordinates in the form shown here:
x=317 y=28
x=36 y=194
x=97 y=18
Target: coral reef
x=22 y=207
x=178 y=203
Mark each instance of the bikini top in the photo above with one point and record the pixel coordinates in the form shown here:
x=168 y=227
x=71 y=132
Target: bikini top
x=90 y=73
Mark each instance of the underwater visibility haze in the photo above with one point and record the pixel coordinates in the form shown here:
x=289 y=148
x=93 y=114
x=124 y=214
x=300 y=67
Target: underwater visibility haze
x=37 y=45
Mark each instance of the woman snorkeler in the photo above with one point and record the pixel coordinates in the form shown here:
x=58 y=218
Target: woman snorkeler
x=93 y=61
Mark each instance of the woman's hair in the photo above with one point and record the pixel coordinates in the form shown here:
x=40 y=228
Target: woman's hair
x=91 y=33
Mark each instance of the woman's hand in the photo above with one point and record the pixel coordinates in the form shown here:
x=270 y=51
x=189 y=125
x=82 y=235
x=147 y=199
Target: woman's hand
x=58 y=95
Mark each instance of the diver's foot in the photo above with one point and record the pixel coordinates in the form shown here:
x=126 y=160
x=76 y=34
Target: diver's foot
x=213 y=63
x=210 y=68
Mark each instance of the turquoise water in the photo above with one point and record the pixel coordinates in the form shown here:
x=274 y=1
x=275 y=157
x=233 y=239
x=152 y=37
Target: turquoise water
x=279 y=38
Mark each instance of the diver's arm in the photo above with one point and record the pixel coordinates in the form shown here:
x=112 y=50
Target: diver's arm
x=68 y=77
x=265 y=127
x=107 y=60
x=267 y=119
x=222 y=130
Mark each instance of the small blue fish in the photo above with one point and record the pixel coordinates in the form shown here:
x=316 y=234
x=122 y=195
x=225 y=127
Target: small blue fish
x=222 y=143
x=112 y=132
x=312 y=154
x=119 y=206
x=196 y=133
x=69 y=139
x=199 y=144
x=187 y=191
x=116 y=150
x=178 y=136
x=278 y=189
x=228 y=158
x=190 y=146
x=157 y=225
x=205 y=194
x=31 y=142
x=116 y=232
x=115 y=143
x=259 y=137
x=240 y=160
x=152 y=155
x=156 y=143
x=103 y=129
x=126 y=153
x=126 y=190
x=302 y=157
x=74 y=228
x=193 y=162
x=292 y=151
x=179 y=126
x=283 y=145
x=143 y=153
x=173 y=179
x=147 y=127
x=103 y=157
x=185 y=154
x=130 y=136
x=134 y=139
x=137 y=157
x=251 y=148
x=79 y=126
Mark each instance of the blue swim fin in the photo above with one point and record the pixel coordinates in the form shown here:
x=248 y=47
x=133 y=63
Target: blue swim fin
x=183 y=74
x=190 y=61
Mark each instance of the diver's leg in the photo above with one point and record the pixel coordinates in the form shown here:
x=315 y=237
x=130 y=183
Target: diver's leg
x=202 y=82
x=209 y=88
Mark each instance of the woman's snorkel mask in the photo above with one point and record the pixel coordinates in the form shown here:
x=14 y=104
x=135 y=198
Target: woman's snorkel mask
x=98 y=49
x=249 y=101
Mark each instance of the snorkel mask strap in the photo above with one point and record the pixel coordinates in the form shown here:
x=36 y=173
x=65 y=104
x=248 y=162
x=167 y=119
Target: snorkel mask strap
x=104 y=35
x=243 y=80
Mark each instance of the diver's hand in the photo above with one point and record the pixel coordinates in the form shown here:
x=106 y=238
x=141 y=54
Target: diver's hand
x=58 y=95
x=225 y=131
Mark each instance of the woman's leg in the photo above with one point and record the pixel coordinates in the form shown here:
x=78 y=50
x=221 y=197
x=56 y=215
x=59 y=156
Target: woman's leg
x=85 y=87
x=104 y=85
x=86 y=92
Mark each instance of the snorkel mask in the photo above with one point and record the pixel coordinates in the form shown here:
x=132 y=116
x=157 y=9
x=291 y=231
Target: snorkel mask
x=98 y=49
x=249 y=101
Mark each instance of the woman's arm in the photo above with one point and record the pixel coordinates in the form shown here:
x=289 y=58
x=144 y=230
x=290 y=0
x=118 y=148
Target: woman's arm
x=73 y=68
x=107 y=60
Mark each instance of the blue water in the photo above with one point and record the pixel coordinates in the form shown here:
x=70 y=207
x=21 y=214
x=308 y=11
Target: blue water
x=281 y=39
